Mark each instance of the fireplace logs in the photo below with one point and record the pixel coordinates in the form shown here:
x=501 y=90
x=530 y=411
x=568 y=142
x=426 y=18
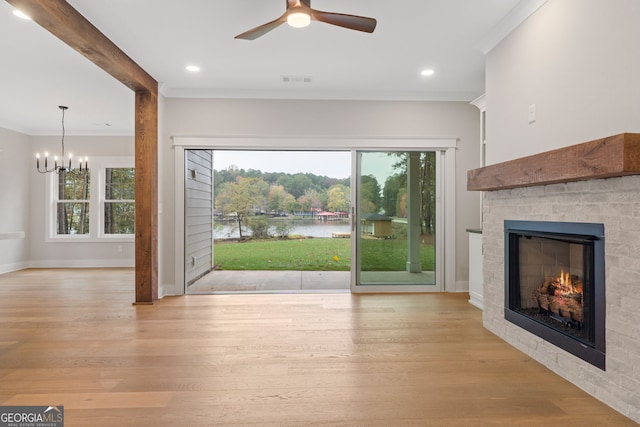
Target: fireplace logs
x=561 y=298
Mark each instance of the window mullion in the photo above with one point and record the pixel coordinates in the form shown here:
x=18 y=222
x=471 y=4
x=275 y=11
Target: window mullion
x=76 y=201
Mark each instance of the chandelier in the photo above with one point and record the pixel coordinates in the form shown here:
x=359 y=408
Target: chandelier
x=61 y=164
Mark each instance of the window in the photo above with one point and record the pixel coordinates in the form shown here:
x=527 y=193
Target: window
x=94 y=205
x=119 y=205
x=72 y=204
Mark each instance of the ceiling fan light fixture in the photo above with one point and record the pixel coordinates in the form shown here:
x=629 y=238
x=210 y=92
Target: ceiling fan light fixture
x=300 y=14
x=299 y=19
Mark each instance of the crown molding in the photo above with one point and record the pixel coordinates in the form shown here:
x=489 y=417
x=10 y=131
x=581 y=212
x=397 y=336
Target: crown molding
x=520 y=13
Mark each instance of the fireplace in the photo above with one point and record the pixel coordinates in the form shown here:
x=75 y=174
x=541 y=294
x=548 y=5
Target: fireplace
x=555 y=284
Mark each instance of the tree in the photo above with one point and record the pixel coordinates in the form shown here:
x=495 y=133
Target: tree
x=390 y=195
x=427 y=183
x=369 y=194
x=304 y=202
x=401 y=203
x=73 y=202
x=338 y=198
x=242 y=199
x=278 y=199
x=296 y=184
x=119 y=208
x=222 y=177
x=290 y=203
x=312 y=198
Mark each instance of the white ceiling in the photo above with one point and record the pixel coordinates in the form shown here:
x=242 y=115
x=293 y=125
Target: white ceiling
x=39 y=72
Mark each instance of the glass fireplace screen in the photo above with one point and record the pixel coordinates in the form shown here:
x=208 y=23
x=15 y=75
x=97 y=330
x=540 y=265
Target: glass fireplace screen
x=554 y=284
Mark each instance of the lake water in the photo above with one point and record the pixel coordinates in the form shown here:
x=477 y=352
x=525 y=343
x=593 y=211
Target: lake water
x=305 y=227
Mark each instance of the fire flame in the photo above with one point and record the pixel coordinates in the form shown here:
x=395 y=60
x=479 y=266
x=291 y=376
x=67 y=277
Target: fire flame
x=566 y=286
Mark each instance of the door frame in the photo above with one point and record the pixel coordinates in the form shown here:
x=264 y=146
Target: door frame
x=446 y=145
x=445 y=224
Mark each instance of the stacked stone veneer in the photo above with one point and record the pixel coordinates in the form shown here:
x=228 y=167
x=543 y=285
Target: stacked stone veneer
x=614 y=202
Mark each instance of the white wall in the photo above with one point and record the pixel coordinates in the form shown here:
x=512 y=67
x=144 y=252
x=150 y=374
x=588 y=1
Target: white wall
x=76 y=254
x=578 y=62
x=15 y=173
x=272 y=118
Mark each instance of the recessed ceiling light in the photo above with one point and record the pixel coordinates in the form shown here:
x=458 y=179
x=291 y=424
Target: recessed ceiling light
x=428 y=72
x=193 y=68
x=21 y=14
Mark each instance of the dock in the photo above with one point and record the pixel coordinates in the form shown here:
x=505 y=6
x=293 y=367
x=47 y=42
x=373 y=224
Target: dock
x=340 y=235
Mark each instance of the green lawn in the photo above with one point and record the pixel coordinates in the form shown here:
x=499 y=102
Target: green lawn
x=391 y=255
x=316 y=254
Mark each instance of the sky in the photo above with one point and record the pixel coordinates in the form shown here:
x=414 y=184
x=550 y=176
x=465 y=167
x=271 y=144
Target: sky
x=334 y=164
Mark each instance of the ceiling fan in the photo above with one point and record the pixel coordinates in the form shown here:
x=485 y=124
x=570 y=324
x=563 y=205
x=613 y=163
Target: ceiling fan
x=299 y=14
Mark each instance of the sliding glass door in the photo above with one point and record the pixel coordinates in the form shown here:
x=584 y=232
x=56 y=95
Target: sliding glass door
x=395 y=221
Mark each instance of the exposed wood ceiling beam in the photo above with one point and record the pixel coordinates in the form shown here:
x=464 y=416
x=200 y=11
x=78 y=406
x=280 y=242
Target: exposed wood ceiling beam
x=67 y=24
x=63 y=21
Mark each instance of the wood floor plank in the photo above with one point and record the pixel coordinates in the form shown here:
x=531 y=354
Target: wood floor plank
x=88 y=400
x=268 y=360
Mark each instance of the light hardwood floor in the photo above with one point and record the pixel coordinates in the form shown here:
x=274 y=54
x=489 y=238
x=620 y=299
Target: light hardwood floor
x=73 y=338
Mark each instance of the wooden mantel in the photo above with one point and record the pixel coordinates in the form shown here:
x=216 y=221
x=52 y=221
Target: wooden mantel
x=614 y=156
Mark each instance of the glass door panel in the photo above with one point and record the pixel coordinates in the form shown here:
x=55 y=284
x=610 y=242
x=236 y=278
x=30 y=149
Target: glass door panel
x=395 y=219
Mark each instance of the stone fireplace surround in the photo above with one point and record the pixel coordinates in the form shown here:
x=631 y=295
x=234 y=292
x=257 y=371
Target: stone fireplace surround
x=599 y=184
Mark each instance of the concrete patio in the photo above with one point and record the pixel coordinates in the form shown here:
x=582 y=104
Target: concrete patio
x=271 y=281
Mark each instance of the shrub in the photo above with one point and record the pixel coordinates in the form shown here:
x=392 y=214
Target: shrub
x=283 y=228
x=259 y=228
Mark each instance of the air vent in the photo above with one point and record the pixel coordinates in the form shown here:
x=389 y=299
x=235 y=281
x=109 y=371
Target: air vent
x=296 y=79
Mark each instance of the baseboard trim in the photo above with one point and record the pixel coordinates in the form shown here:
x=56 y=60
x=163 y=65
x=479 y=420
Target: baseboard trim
x=8 y=268
x=476 y=299
x=83 y=263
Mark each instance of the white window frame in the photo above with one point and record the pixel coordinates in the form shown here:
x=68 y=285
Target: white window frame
x=97 y=182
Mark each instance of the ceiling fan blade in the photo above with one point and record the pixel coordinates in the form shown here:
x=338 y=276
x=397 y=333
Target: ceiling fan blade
x=353 y=22
x=263 y=29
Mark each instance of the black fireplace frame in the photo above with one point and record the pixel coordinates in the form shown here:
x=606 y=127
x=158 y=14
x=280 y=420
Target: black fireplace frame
x=594 y=351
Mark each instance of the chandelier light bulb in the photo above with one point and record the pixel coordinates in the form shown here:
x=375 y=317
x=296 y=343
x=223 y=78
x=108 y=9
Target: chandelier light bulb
x=62 y=167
